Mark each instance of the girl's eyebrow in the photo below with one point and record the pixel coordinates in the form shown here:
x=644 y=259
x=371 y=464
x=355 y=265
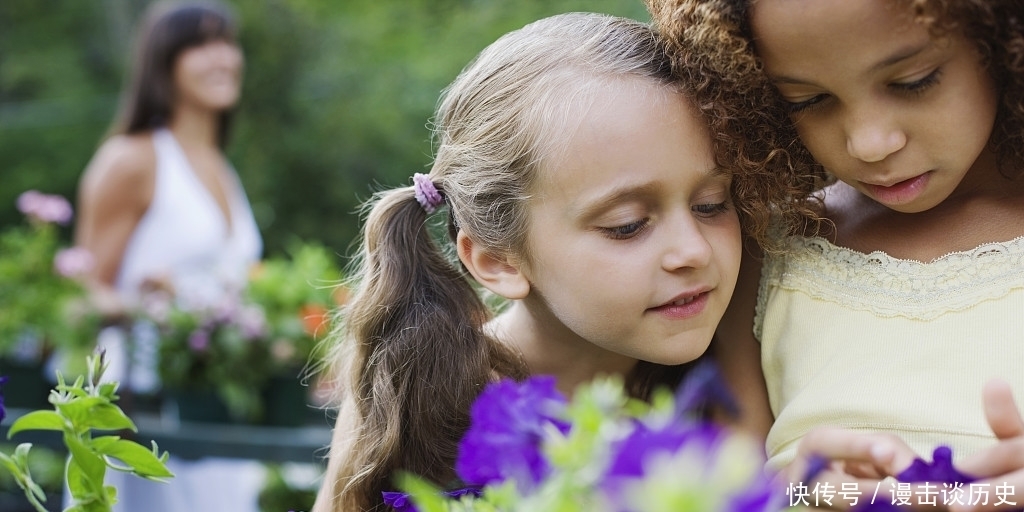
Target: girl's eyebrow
x=624 y=193
x=896 y=57
x=901 y=55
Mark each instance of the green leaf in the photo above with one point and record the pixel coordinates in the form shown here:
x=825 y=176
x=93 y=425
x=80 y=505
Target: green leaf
x=427 y=497
x=93 y=467
x=109 y=417
x=142 y=460
x=37 y=420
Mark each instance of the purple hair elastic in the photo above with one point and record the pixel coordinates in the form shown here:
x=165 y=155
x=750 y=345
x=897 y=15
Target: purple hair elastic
x=426 y=193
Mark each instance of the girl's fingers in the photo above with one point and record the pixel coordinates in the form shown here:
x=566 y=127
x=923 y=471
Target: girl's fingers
x=1002 y=459
x=1001 y=411
x=886 y=453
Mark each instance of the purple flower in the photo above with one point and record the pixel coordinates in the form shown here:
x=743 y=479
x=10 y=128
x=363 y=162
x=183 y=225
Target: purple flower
x=45 y=207
x=940 y=470
x=3 y=412
x=702 y=387
x=199 y=340
x=877 y=505
x=815 y=465
x=509 y=422
x=399 y=501
x=762 y=496
x=73 y=262
x=630 y=455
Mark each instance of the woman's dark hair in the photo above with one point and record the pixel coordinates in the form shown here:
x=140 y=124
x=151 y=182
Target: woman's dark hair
x=168 y=29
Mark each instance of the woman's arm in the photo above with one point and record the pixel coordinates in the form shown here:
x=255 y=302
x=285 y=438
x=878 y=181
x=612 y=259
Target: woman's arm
x=113 y=194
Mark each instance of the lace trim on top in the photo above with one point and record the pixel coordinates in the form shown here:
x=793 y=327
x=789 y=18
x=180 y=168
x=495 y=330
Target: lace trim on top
x=893 y=287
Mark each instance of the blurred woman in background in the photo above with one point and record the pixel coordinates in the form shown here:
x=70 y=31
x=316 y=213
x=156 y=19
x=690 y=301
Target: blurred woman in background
x=162 y=208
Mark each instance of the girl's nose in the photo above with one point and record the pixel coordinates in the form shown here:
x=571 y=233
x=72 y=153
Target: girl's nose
x=873 y=137
x=687 y=247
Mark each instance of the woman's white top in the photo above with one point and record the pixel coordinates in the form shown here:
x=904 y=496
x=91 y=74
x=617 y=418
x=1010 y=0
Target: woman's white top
x=184 y=236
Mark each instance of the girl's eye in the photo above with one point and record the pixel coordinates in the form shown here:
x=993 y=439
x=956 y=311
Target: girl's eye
x=626 y=231
x=710 y=210
x=919 y=86
x=802 y=106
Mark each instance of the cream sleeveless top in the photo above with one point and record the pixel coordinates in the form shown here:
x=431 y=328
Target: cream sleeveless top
x=185 y=236
x=875 y=343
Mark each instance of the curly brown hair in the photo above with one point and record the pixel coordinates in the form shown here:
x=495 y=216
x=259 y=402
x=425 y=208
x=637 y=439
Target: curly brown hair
x=711 y=45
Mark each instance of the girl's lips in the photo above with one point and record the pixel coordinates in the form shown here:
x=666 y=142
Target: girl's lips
x=683 y=311
x=899 y=193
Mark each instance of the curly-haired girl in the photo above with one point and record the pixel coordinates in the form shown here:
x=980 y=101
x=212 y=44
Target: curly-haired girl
x=891 y=314
x=582 y=185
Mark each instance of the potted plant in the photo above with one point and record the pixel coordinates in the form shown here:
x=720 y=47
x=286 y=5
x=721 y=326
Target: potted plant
x=44 y=305
x=241 y=359
x=298 y=293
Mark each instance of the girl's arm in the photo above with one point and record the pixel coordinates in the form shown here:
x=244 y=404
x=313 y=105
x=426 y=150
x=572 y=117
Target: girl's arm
x=738 y=353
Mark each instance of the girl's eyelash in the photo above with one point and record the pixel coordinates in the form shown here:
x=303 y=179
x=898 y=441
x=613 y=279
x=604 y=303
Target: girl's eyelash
x=800 y=106
x=627 y=230
x=915 y=87
x=919 y=86
x=711 y=210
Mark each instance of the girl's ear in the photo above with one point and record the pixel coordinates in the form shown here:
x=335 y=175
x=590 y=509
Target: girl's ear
x=498 y=273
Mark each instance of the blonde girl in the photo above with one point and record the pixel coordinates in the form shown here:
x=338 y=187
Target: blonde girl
x=574 y=178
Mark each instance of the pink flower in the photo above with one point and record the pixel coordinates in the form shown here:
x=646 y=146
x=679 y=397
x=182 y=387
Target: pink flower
x=45 y=207
x=199 y=340
x=73 y=262
x=252 y=321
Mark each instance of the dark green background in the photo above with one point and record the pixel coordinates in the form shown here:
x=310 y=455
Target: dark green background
x=335 y=104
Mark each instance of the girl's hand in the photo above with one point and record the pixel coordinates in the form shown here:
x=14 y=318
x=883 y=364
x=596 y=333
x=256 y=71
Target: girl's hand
x=1002 y=465
x=859 y=463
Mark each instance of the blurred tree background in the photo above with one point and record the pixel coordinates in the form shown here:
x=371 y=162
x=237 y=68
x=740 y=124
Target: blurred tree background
x=335 y=104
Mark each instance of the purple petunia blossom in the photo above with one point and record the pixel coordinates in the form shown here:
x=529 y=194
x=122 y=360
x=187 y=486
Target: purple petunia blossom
x=630 y=457
x=509 y=421
x=940 y=470
x=630 y=454
x=401 y=502
x=3 y=412
x=762 y=496
x=877 y=505
x=45 y=207
x=705 y=386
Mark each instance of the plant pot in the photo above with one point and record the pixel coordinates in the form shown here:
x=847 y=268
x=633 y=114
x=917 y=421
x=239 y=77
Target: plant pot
x=26 y=387
x=200 y=405
x=285 y=402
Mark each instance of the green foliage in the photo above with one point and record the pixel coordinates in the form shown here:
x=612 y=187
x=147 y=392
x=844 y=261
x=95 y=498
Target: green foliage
x=236 y=348
x=40 y=308
x=80 y=408
x=336 y=97
x=297 y=293
x=278 y=494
